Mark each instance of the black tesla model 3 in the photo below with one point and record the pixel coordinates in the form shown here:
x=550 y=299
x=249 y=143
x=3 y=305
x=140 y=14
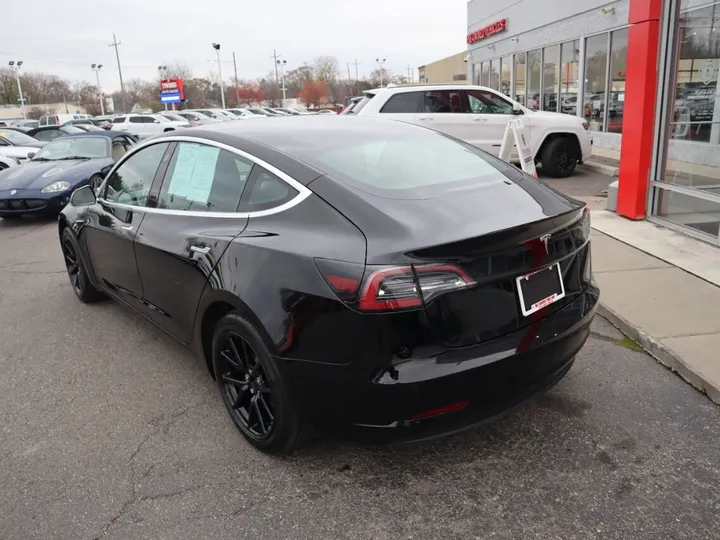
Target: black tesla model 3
x=342 y=270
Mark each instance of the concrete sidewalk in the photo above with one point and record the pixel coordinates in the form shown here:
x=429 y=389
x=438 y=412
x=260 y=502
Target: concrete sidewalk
x=665 y=297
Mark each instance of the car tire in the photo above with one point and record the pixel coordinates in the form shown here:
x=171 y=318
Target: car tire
x=77 y=272
x=559 y=157
x=253 y=389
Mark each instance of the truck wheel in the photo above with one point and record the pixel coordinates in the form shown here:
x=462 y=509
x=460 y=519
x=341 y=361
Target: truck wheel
x=559 y=157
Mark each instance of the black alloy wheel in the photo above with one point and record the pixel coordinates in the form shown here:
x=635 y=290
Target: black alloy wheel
x=252 y=388
x=79 y=280
x=246 y=388
x=559 y=157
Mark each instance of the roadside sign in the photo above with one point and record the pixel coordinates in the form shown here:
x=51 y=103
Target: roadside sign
x=515 y=135
x=172 y=91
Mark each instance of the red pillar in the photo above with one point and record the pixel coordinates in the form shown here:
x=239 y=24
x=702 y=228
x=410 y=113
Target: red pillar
x=639 y=110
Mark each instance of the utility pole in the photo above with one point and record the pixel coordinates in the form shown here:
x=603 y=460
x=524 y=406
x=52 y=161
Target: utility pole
x=357 y=77
x=381 y=63
x=216 y=46
x=275 y=57
x=411 y=76
x=282 y=64
x=115 y=44
x=237 y=86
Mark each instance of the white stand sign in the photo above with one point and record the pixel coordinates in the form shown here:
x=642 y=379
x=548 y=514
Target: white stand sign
x=515 y=133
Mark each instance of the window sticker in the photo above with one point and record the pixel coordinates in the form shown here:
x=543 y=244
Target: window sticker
x=194 y=172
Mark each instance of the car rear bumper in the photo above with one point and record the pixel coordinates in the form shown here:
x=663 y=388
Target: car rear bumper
x=407 y=400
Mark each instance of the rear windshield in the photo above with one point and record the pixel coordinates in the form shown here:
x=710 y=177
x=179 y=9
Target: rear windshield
x=401 y=162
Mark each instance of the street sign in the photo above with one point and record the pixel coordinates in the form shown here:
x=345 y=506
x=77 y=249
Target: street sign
x=515 y=133
x=172 y=91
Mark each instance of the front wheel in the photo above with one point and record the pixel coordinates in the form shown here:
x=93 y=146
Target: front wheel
x=77 y=273
x=559 y=157
x=252 y=388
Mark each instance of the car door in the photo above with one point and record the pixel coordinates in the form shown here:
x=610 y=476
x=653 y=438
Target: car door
x=112 y=223
x=137 y=126
x=445 y=111
x=490 y=114
x=180 y=242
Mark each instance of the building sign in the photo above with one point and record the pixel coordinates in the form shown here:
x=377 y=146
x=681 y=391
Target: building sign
x=487 y=31
x=172 y=91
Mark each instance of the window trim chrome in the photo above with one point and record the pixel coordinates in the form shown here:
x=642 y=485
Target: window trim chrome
x=303 y=191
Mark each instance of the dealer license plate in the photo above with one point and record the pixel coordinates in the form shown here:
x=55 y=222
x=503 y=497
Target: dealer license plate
x=540 y=289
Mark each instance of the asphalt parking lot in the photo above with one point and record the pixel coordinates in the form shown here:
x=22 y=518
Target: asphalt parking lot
x=109 y=429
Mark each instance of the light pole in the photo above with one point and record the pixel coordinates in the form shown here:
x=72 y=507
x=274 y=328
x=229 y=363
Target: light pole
x=96 y=69
x=163 y=75
x=216 y=46
x=381 y=63
x=16 y=68
x=282 y=64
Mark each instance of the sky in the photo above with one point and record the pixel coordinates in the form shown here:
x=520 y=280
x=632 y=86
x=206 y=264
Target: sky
x=67 y=36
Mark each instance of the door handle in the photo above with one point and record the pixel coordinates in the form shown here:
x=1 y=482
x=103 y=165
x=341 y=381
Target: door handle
x=425 y=118
x=479 y=119
x=126 y=227
x=200 y=249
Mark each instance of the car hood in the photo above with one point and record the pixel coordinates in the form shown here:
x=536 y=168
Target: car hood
x=38 y=174
x=558 y=119
x=17 y=151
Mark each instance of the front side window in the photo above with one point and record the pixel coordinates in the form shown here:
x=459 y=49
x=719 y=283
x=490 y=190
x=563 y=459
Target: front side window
x=444 y=101
x=484 y=102
x=204 y=178
x=119 y=120
x=266 y=191
x=405 y=102
x=130 y=183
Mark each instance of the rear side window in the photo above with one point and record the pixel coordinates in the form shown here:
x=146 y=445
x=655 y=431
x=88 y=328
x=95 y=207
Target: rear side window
x=119 y=120
x=204 y=178
x=136 y=120
x=406 y=102
x=266 y=191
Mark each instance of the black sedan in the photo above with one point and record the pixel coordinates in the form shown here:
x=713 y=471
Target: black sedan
x=48 y=133
x=342 y=270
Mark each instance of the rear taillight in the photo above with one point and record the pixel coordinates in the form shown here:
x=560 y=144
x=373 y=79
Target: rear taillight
x=396 y=288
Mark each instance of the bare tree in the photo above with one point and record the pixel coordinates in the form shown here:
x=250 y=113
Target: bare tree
x=326 y=69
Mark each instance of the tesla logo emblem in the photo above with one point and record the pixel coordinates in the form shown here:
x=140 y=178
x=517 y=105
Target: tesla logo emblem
x=545 y=238
x=13 y=191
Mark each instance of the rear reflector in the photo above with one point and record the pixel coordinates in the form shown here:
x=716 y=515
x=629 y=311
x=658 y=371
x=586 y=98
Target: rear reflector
x=396 y=288
x=440 y=410
x=343 y=277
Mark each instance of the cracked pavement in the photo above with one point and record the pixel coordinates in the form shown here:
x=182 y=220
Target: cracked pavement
x=108 y=429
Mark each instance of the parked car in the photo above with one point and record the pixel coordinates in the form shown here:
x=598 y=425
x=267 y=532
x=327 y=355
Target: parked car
x=199 y=118
x=24 y=125
x=144 y=125
x=242 y=113
x=217 y=114
x=366 y=299
x=48 y=133
x=44 y=184
x=257 y=111
x=89 y=127
x=57 y=119
x=480 y=115
x=177 y=118
x=17 y=146
x=6 y=162
x=271 y=112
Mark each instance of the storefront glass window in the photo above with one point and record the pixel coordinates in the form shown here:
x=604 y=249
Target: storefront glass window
x=616 y=96
x=569 y=63
x=495 y=74
x=551 y=76
x=699 y=214
x=596 y=54
x=533 y=77
x=520 y=78
x=485 y=77
x=506 y=71
x=477 y=69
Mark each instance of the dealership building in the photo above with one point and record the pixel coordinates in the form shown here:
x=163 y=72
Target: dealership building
x=643 y=73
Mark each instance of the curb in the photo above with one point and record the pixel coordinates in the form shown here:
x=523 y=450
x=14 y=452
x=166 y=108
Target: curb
x=607 y=170
x=662 y=354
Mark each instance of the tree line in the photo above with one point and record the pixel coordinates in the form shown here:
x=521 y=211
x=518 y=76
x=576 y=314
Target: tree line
x=318 y=84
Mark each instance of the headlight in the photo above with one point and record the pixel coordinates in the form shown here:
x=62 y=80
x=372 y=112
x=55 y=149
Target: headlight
x=585 y=125
x=56 y=187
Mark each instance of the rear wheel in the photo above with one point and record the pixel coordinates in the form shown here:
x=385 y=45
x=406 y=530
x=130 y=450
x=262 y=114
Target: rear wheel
x=252 y=387
x=77 y=273
x=559 y=157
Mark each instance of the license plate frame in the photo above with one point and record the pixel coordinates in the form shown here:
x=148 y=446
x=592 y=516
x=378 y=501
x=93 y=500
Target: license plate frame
x=542 y=302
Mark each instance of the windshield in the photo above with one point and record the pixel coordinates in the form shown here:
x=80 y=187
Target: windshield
x=161 y=118
x=72 y=129
x=73 y=148
x=258 y=112
x=174 y=117
x=17 y=138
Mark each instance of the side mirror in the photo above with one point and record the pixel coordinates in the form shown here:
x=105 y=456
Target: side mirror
x=84 y=196
x=156 y=121
x=517 y=111
x=31 y=155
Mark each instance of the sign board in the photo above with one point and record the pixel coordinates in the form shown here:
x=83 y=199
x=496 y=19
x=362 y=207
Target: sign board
x=515 y=133
x=172 y=91
x=487 y=31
